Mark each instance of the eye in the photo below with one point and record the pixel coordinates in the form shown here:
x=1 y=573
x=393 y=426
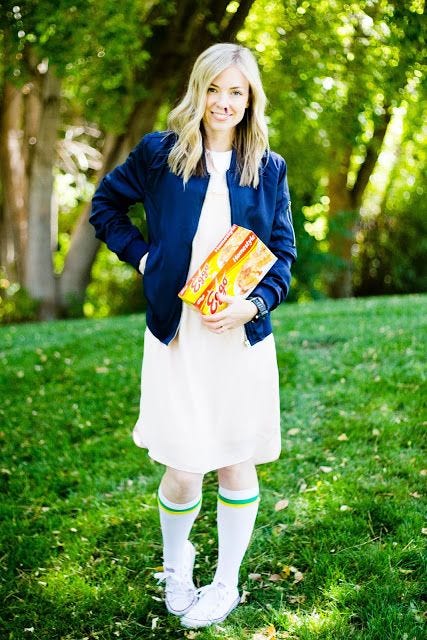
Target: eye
x=237 y=93
x=211 y=90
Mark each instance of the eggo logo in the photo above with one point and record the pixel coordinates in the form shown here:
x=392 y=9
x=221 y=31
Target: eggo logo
x=212 y=300
x=200 y=279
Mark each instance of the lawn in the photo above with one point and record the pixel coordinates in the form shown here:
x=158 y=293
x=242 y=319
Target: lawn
x=339 y=547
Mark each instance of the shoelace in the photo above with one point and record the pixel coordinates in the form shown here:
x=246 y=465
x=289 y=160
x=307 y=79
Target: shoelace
x=179 y=583
x=221 y=589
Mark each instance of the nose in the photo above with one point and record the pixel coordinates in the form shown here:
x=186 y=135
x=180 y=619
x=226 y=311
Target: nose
x=222 y=100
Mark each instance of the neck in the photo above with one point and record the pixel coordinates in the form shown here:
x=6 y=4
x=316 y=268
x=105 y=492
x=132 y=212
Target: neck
x=219 y=140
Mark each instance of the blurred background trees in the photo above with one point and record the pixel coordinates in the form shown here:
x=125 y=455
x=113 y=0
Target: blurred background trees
x=82 y=82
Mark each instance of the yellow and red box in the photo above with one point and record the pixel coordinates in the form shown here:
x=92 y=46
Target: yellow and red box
x=234 y=268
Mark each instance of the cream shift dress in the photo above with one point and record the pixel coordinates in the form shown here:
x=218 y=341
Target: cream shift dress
x=209 y=400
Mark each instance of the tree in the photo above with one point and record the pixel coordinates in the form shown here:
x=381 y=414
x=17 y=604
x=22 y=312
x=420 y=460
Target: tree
x=164 y=36
x=336 y=71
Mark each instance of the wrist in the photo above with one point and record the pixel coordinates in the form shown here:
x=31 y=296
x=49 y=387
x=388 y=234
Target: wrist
x=261 y=308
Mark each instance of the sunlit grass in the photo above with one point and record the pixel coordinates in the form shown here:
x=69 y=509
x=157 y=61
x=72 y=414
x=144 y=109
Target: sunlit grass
x=344 y=559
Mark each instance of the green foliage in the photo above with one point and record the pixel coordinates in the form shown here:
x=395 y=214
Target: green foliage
x=15 y=303
x=115 y=288
x=79 y=528
x=392 y=252
x=331 y=69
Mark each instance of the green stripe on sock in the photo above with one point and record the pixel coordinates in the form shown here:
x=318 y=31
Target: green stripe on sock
x=237 y=503
x=163 y=506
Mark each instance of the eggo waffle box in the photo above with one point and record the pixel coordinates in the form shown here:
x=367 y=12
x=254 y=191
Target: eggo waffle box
x=235 y=267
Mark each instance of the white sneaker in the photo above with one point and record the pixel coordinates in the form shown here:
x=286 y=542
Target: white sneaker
x=215 y=602
x=180 y=592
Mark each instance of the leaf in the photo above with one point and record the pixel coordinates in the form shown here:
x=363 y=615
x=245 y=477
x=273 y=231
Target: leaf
x=415 y=494
x=298 y=577
x=257 y=577
x=423 y=472
x=298 y=599
x=269 y=633
x=424 y=531
x=345 y=507
x=281 y=504
x=286 y=571
x=293 y=432
x=275 y=577
x=302 y=486
x=325 y=469
x=343 y=437
x=154 y=623
x=244 y=596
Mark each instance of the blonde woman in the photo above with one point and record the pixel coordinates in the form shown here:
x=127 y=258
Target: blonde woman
x=209 y=388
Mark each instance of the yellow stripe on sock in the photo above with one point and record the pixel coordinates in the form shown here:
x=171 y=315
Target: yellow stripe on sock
x=237 y=503
x=177 y=512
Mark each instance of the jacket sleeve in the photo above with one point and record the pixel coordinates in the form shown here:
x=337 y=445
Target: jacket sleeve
x=118 y=190
x=274 y=287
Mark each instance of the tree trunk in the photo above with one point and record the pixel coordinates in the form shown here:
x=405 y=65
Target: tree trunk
x=344 y=207
x=39 y=275
x=173 y=47
x=14 y=182
x=340 y=234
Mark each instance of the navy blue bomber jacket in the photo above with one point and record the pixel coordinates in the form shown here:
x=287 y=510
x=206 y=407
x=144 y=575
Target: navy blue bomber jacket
x=173 y=212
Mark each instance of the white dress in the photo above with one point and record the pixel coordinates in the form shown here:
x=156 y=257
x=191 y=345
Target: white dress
x=209 y=400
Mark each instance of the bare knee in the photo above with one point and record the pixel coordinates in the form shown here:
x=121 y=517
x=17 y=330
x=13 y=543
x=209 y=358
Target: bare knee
x=238 y=476
x=181 y=486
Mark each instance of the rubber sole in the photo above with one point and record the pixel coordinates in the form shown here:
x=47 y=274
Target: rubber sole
x=198 y=624
x=182 y=612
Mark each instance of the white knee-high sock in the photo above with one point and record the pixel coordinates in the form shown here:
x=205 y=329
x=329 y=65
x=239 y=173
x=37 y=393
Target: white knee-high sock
x=236 y=514
x=176 y=521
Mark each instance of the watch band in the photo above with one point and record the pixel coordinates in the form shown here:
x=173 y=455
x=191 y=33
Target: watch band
x=260 y=305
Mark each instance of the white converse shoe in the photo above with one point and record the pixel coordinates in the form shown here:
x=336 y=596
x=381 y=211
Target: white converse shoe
x=215 y=602
x=180 y=592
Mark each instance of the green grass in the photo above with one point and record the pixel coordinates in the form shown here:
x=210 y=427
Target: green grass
x=80 y=535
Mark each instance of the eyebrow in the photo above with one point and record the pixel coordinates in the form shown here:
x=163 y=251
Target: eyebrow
x=212 y=84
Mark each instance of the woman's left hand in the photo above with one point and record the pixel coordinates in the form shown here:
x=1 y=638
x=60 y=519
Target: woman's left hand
x=237 y=313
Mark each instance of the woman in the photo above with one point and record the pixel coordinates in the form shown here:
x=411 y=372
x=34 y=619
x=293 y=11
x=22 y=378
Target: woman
x=209 y=389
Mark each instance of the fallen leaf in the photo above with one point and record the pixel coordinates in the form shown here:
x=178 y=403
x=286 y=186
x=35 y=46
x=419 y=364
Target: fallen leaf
x=286 y=571
x=299 y=599
x=302 y=486
x=281 y=504
x=423 y=472
x=154 y=623
x=345 y=507
x=342 y=437
x=415 y=494
x=376 y=432
x=255 y=576
x=298 y=576
x=191 y=634
x=275 y=577
x=293 y=432
x=244 y=596
x=325 y=469
x=269 y=633
x=424 y=531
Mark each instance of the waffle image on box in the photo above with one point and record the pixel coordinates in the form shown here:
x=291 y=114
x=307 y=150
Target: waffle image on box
x=234 y=268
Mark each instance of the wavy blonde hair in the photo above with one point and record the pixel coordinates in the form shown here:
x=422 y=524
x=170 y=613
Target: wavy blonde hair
x=251 y=135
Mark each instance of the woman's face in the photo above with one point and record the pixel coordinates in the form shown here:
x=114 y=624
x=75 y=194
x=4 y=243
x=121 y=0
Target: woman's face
x=226 y=101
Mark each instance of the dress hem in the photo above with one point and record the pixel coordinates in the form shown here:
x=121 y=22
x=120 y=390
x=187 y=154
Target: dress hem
x=257 y=460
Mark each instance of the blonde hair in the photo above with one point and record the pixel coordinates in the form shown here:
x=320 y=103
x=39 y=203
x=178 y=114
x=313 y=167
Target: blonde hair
x=251 y=135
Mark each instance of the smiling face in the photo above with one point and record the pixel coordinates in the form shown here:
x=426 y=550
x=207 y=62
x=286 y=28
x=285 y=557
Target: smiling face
x=226 y=101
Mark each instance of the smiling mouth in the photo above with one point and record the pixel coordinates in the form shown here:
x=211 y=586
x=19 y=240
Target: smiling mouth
x=222 y=116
